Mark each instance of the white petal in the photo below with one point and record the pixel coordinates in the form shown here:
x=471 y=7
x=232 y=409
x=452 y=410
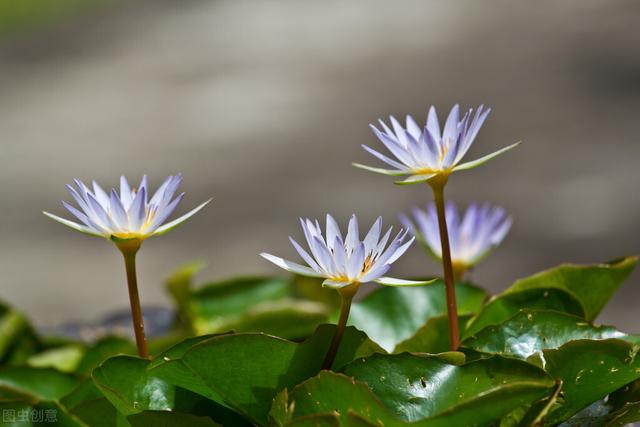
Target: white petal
x=390 y=281
x=291 y=266
x=416 y=179
x=176 y=222
x=329 y=283
x=371 y=239
x=353 y=235
x=333 y=231
x=390 y=172
x=305 y=256
x=356 y=262
x=75 y=226
x=126 y=197
x=481 y=160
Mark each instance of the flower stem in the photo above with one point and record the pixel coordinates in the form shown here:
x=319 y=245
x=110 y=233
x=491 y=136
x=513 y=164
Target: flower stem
x=129 y=251
x=454 y=330
x=346 y=294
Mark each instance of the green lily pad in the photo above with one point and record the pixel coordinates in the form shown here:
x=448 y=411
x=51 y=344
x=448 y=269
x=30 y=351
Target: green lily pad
x=329 y=393
x=234 y=296
x=592 y=285
x=103 y=349
x=590 y=370
x=65 y=358
x=415 y=387
x=390 y=315
x=40 y=383
x=286 y=318
x=245 y=371
x=507 y=305
x=18 y=340
x=88 y=404
x=532 y=331
x=432 y=337
x=125 y=382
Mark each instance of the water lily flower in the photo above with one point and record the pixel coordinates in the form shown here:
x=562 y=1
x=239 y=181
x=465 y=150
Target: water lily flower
x=346 y=263
x=471 y=238
x=431 y=155
x=128 y=214
x=343 y=262
x=127 y=218
x=424 y=153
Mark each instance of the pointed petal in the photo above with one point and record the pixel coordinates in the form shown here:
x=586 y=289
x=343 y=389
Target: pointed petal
x=384 y=158
x=353 y=235
x=356 y=261
x=400 y=251
x=137 y=211
x=375 y=272
x=176 y=222
x=291 y=266
x=125 y=193
x=81 y=228
x=451 y=126
x=100 y=215
x=339 y=257
x=333 y=231
x=159 y=194
x=413 y=128
x=432 y=123
x=100 y=194
x=371 y=239
x=481 y=160
x=389 y=172
x=334 y=284
x=390 y=281
x=305 y=256
x=416 y=179
x=395 y=147
x=118 y=213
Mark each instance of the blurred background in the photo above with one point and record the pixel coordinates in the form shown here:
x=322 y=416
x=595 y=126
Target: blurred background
x=263 y=106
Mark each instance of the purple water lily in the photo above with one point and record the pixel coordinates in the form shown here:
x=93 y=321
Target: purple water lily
x=471 y=238
x=342 y=262
x=127 y=214
x=423 y=153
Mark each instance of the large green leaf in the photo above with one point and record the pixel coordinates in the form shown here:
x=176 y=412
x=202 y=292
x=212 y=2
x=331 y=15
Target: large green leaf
x=592 y=285
x=101 y=350
x=64 y=358
x=590 y=370
x=531 y=331
x=329 y=393
x=286 y=318
x=234 y=296
x=40 y=383
x=390 y=315
x=357 y=405
x=88 y=404
x=245 y=371
x=508 y=304
x=130 y=388
x=416 y=387
x=251 y=304
x=432 y=337
x=18 y=340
